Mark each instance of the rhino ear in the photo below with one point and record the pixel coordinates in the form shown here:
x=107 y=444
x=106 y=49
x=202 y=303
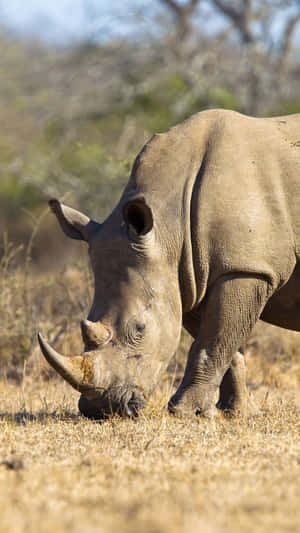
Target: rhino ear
x=138 y=216
x=73 y=223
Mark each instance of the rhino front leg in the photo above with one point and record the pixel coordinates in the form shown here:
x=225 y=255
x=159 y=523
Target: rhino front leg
x=229 y=312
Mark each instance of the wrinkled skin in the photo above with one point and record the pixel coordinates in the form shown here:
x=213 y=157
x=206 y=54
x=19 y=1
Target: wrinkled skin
x=206 y=234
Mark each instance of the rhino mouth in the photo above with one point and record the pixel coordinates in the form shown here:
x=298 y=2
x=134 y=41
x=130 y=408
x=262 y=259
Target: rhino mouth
x=125 y=404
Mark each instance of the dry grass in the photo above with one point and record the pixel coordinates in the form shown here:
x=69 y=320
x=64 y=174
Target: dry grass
x=60 y=472
x=53 y=302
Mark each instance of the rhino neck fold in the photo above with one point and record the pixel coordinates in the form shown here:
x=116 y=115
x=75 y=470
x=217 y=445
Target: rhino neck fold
x=193 y=274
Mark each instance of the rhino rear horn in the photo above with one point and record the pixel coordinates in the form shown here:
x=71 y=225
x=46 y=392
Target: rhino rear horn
x=94 y=334
x=74 y=224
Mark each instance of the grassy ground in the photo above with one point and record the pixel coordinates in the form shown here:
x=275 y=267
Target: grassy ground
x=60 y=472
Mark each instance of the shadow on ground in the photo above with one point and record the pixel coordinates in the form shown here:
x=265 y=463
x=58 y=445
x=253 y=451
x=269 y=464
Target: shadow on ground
x=23 y=417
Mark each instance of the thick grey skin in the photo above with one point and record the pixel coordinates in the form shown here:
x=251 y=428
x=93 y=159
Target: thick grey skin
x=223 y=192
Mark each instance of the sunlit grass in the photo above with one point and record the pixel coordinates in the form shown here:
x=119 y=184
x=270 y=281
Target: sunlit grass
x=60 y=472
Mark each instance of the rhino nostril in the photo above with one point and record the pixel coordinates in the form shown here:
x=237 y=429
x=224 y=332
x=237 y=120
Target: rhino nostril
x=134 y=405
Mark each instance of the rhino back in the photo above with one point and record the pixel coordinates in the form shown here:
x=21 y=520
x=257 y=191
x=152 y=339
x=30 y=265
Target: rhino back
x=246 y=211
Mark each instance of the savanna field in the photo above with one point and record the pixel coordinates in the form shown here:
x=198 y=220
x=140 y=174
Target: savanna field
x=60 y=472
x=73 y=118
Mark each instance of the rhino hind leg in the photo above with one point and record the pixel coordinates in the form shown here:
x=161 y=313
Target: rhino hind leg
x=233 y=390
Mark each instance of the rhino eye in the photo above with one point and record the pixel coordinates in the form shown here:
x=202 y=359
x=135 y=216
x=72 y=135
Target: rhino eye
x=135 y=331
x=140 y=327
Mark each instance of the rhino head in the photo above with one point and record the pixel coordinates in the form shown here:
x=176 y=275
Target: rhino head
x=134 y=324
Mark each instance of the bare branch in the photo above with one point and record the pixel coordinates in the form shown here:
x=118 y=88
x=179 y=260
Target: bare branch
x=188 y=8
x=173 y=6
x=241 y=18
x=183 y=14
x=286 y=44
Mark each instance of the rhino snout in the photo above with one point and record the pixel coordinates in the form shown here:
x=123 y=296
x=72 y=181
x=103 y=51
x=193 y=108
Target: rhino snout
x=111 y=402
x=106 y=385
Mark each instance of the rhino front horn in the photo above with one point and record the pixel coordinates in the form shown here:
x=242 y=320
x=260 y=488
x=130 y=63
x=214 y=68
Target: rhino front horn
x=70 y=368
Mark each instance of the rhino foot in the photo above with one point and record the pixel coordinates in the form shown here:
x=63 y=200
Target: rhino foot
x=233 y=409
x=183 y=412
x=187 y=403
x=234 y=398
x=245 y=408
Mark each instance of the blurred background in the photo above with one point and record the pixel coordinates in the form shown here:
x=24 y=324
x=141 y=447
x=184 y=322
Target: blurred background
x=83 y=84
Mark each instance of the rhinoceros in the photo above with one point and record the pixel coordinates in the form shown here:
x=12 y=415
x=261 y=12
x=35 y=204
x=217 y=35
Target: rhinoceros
x=206 y=235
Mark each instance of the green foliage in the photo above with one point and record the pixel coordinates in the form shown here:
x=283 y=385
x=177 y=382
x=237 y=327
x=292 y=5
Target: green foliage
x=7 y=151
x=214 y=97
x=81 y=159
x=59 y=140
x=54 y=131
x=15 y=196
x=292 y=106
x=156 y=107
x=172 y=100
x=221 y=97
